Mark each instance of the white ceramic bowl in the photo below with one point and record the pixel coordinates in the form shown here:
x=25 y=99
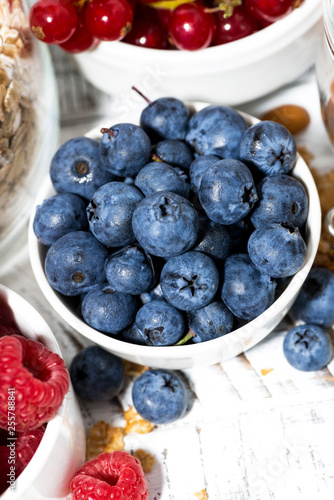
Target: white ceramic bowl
x=201 y=354
x=231 y=74
x=62 y=449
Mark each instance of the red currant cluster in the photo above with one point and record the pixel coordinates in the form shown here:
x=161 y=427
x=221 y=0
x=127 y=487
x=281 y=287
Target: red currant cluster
x=163 y=24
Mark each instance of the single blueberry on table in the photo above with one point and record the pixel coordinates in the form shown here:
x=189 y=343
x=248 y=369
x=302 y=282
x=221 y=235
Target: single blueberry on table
x=160 y=396
x=216 y=130
x=165 y=224
x=77 y=168
x=158 y=176
x=132 y=335
x=315 y=302
x=59 y=215
x=130 y=270
x=175 y=153
x=75 y=263
x=246 y=291
x=277 y=249
x=160 y=323
x=110 y=213
x=308 y=347
x=197 y=169
x=96 y=374
x=213 y=239
x=211 y=321
x=124 y=149
x=107 y=310
x=227 y=192
x=165 y=118
x=269 y=148
x=189 y=281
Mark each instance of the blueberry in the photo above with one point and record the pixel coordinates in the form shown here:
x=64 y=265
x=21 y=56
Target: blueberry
x=96 y=374
x=216 y=130
x=213 y=239
x=107 y=310
x=154 y=294
x=110 y=213
x=189 y=281
x=160 y=396
x=133 y=335
x=227 y=192
x=197 y=169
x=124 y=148
x=75 y=263
x=130 y=270
x=277 y=249
x=269 y=148
x=211 y=321
x=315 y=302
x=77 y=168
x=59 y=215
x=165 y=224
x=308 y=347
x=246 y=291
x=175 y=153
x=165 y=118
x=160 y=323
x=158 y=176
x=281 y=198
x=239 y=233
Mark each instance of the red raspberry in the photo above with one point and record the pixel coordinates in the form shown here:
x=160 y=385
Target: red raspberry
x=40 y=380
x=8 y=330
x=110 y=476
x=26 y=445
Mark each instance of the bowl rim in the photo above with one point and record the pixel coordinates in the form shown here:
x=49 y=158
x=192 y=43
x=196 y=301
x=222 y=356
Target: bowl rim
x=127 y=349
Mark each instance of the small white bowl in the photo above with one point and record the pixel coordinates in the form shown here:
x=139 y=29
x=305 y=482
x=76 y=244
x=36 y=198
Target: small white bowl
x=232 y=73
x=62 y=449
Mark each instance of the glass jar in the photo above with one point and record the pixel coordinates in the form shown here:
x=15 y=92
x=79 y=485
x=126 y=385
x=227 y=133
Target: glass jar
x=28 y=123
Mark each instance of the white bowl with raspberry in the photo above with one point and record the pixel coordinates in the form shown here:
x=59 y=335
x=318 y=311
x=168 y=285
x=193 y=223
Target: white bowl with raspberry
x=231 y=73
x=61 y=450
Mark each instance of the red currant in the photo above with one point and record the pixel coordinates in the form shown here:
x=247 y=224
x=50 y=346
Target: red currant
x=146 y=31
x=269 y=10
x=190 y=27
x=81 y=39
x=237 y=26
x=53 y=21
x=109 y=20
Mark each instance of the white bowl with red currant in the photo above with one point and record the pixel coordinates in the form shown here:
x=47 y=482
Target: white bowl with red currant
x=229 y=51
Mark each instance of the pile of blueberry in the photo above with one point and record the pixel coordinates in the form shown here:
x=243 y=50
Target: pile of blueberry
x=176 y=230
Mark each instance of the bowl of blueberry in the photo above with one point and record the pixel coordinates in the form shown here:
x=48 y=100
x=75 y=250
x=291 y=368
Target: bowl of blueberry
x=178 y=242
x=222 y=51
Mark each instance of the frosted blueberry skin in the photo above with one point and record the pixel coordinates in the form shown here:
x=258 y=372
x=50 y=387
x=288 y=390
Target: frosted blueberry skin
x=211 y=321
x=59 y=215
x=269 y=148
x=197 y=169
x=175 y=153
x=160 y=396
x=132 y=335
x=246 y=291
x=213 y=239
x=189 y=281
x=216 y=130
x=124 y=149
x=107 y=310
x=277 y=250
x=160 y=323
x=315 y=302
x=165 y=118
x=110 y=213
x=308 y=347
x=158 y=176
x=75 y=263
x=130 y=270
x=96 y=374
x=227 y=192
x=165 y=224
x=282 y=198
x=77 y=168
x=154 y=294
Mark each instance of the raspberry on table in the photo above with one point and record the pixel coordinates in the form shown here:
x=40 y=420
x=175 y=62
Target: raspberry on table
x=116 y=475
x=40 y=380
